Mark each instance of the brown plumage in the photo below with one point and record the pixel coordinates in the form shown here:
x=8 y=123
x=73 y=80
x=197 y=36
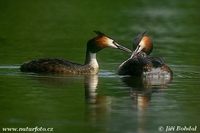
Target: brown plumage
x=59 y=66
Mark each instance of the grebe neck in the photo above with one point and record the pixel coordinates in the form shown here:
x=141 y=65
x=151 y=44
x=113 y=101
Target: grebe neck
x=91 y=59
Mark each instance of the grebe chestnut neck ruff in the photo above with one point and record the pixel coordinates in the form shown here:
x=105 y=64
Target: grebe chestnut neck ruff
x=61 y=66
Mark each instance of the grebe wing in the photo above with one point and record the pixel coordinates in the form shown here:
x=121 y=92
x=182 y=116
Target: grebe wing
x=123 y=68
x=155 y=61
x=132 y=66
x=47 y=65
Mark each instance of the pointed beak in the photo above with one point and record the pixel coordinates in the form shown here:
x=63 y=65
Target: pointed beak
x=137 y=50
x=122 y=48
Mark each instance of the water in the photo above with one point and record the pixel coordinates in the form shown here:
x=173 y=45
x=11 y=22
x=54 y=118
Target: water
x=105 y=102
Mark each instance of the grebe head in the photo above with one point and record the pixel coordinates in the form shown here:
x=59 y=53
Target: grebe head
x=102 y=41
x=144 y=43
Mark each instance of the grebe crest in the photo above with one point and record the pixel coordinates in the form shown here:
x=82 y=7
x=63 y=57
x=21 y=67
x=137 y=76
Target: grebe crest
x=61 y=66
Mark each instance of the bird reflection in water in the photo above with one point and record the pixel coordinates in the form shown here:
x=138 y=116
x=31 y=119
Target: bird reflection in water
x=141 y=88
x=98 y=106
x=141 y=91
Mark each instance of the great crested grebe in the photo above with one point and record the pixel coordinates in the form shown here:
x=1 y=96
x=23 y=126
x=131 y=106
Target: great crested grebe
x=140 y=64
x=91 y=66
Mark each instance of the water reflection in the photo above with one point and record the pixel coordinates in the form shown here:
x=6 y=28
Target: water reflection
x=91 y=95
x=90 y=84
x=98 y=107
x=141 y=88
